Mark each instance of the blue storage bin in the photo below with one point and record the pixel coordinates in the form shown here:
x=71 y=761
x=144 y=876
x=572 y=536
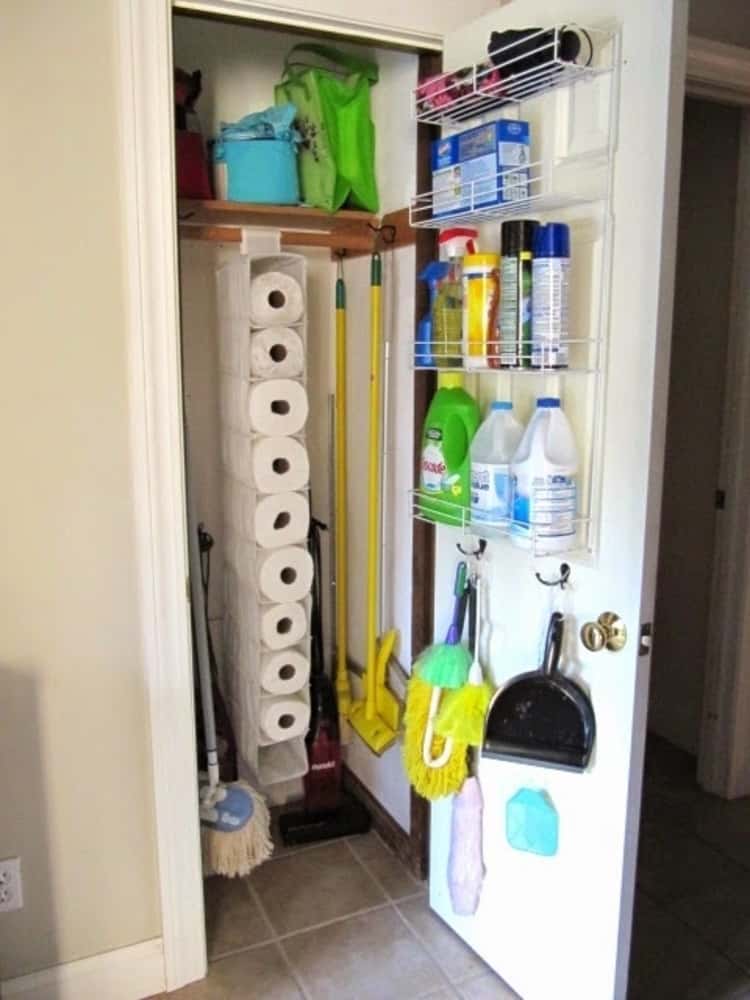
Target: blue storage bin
x=263 y=171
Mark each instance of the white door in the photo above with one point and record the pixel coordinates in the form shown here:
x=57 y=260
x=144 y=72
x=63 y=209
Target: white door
x=559 y=927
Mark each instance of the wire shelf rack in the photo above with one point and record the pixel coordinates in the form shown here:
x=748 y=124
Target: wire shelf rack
x=540 y=538
x=522 y=69
x=507 y=194
x=570 y=356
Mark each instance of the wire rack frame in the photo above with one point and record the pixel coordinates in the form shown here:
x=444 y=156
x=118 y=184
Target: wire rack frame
x=506 y=78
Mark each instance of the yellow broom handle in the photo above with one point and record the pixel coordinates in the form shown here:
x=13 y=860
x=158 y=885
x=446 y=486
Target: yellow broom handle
x=373 y=506
x=343 y=690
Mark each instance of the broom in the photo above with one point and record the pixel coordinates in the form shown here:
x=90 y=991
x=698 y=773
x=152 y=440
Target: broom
x=234 y=818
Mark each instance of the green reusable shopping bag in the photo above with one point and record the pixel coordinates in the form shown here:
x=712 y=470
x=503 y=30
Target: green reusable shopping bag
x=337 y=155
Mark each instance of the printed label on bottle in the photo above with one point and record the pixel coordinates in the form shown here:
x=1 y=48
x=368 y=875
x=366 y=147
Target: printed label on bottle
x=490 y=492
x=550 y=508
x=433 y=461
x=509 y=312
x=550 y=313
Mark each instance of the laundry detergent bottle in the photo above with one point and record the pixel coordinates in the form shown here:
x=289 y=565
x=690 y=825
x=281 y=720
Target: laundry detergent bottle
x=545 y=500
x=445 y=476
x=492 y=451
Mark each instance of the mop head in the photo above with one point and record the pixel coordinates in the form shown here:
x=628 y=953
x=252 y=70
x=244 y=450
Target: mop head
x=235 y=829
x=444 y=665
x=462 y=713
x=429 y=782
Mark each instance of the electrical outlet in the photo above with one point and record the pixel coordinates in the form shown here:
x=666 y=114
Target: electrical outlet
x=11 y=891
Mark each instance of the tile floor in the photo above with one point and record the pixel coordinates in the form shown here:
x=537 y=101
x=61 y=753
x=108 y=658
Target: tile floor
x=346 y=921
x=691 y=930
x=338 y=921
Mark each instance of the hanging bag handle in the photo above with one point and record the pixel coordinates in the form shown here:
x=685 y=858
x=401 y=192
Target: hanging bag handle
x=352 y=64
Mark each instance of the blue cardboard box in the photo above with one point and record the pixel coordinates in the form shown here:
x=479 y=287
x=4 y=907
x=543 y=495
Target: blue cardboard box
x=468 y=168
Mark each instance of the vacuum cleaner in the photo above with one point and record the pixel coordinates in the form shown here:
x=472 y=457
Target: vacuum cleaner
x=328 y=813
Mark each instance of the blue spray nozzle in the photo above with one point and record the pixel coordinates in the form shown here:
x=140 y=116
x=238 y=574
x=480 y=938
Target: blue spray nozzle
x=435 y=271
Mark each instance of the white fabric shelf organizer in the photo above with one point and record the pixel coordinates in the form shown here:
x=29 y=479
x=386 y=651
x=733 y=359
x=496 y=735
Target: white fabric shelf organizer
x=268 y=571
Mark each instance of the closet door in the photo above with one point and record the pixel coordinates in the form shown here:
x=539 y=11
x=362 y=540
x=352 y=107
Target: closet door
x=560 y=926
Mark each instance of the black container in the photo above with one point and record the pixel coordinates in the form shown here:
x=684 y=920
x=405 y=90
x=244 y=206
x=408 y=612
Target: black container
x=515 y=334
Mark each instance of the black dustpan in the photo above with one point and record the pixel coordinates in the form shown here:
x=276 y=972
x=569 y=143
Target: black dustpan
x=542 y=717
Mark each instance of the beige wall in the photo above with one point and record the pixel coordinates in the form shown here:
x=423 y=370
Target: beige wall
x=75 y=781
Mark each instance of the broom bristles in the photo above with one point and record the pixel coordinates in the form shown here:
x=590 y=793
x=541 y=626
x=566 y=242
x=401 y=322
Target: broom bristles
x=235 y=854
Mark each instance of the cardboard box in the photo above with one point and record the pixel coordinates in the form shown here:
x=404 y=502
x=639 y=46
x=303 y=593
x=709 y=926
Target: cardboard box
x=467 y=167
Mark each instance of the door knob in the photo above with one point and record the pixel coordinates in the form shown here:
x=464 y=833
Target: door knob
x=607 y=632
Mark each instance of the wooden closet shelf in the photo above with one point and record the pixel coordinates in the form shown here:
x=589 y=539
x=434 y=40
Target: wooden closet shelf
x=220 y=221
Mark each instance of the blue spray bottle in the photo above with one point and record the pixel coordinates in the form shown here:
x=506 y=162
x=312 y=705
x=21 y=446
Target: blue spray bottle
x=433 y=274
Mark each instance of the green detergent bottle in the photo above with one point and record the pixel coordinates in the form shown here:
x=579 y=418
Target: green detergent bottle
x=445 y=469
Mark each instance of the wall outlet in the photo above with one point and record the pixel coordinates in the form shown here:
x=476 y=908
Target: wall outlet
x=11 y=890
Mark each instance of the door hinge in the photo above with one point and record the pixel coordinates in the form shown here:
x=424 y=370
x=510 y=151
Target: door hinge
x=644 y=639
x=720 y=499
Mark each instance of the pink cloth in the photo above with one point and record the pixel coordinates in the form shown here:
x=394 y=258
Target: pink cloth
x=465 y=862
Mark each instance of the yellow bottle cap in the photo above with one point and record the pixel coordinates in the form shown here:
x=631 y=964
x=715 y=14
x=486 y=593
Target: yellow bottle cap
x=450 y=380
x=481 y=260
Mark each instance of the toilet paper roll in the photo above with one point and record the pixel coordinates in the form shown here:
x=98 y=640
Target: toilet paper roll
x=286 y=574
x=285 y=672
x=283 y=625
x=281 y=519
x=276 y=299
x=276 y=353
x=284 y=718
x=280 y=465
x=277 y=406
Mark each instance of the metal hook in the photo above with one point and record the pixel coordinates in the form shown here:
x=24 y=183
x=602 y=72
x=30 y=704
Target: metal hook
x=383 y=234
x=561 y=581
x=474 y=553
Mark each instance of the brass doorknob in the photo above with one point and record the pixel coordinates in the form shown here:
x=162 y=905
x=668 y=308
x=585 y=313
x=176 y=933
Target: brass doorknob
x=607 y=632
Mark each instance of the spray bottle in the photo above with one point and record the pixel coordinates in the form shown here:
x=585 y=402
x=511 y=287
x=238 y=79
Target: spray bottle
x=432 y=275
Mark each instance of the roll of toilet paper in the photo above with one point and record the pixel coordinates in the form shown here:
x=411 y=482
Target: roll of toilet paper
x=285 y=574
x=276 y=353
x=280 y=465
x=285 y=672
x=276 y=299
x=284 y=718
x=283 y=625
x=277 y=406
x=281 y=519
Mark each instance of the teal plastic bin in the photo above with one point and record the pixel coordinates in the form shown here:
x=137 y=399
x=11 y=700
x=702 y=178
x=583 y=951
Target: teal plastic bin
x=263 y=171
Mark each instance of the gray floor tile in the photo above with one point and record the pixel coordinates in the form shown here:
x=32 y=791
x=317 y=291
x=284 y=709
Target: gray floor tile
x=457 y=960
x=673 y=864
x=385 y=866
x=486 y=987
x=721 y=916
x=307 y=888
x=233 y=918
x=258 y=974
x=370 y=957
x=447 y=993
x=669 y=961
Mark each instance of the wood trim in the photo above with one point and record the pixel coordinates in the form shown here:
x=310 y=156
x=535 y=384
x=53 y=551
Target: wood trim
x=718 y=72
x=394 y=835
x=354 y=244
x=423 y=535
x=155 y=407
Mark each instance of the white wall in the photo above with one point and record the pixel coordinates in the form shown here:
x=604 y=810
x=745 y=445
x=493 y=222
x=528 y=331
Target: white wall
x=75 y=777
x=240 y=65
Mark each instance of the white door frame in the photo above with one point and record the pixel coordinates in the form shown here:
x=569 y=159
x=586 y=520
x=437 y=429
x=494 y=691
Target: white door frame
x=145 y=75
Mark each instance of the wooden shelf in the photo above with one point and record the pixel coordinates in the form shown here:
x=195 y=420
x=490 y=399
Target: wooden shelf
x=220 y=221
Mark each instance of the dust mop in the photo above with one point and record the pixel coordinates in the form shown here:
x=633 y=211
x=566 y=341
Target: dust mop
x=234 y=818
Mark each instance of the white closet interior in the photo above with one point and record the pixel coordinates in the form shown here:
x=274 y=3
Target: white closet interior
x=240 y=64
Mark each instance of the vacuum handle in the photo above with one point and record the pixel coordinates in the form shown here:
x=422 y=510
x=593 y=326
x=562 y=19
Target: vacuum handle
x=553 y=644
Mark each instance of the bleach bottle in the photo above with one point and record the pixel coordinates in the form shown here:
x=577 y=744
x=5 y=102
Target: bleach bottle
x=432 y=275
x=492 y=450
x=544 y=471
x=445 y=468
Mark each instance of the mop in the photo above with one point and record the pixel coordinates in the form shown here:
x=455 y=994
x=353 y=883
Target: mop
x=234 y=818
